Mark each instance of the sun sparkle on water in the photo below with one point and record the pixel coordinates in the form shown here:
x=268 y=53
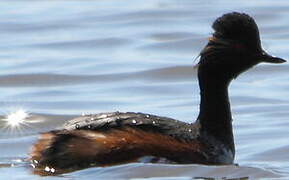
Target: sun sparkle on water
x=16 y=118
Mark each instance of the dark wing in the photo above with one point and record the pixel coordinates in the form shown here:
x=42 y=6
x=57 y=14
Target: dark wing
x=147 y=122
x=113 y=138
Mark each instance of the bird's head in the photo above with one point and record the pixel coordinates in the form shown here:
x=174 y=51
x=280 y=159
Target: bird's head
x=234 y=47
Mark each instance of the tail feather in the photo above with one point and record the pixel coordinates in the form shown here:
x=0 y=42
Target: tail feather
x=64 y=150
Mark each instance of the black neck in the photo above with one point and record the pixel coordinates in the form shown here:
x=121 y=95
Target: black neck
x=215 y=112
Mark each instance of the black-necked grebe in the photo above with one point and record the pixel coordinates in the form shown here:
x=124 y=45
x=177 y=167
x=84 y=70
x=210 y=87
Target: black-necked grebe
x=118 y=137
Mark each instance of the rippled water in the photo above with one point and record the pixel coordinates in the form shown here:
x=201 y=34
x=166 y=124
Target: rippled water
x=62 y=58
